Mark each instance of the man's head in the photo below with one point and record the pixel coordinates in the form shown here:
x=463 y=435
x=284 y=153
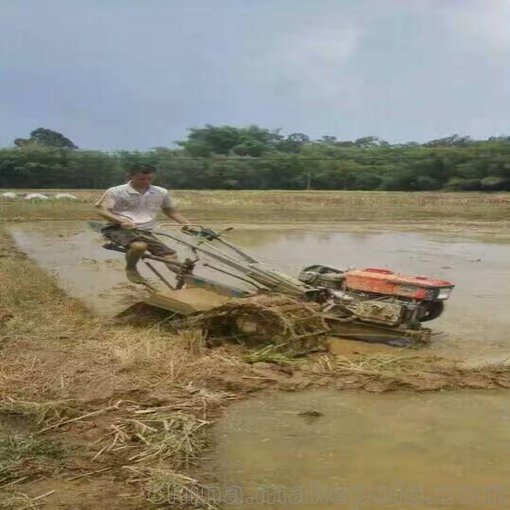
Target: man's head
x=141 y=174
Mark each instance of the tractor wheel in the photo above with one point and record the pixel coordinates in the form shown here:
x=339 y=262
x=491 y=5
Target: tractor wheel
x=433 y=311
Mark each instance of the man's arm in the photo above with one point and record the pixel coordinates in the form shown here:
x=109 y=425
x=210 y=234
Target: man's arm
x=175 y=215
x=105 y=205
x=171 y=212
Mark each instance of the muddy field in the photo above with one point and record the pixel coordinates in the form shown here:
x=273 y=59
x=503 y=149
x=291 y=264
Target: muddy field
x=474 y=327
x=96 y=414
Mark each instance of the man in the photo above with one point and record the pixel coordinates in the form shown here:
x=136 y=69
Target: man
x=131 y=210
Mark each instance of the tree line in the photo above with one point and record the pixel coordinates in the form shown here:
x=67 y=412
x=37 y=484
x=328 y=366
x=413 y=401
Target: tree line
x=227 y=157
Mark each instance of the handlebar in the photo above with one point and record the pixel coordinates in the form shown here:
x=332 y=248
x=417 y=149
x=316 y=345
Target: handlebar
x=205 y=233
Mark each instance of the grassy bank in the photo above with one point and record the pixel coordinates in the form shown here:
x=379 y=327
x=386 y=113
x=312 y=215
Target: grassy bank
x=111 y=415
x=288 y=206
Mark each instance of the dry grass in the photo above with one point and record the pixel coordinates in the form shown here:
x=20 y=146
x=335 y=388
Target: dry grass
x=23 y=458
x=292 y=206
x=141 y=389
x=136 y=347
x=269 y=354
x=11 y=500
x=152 y=436
x=38 y=412
x=371 y=365
x=165 y=487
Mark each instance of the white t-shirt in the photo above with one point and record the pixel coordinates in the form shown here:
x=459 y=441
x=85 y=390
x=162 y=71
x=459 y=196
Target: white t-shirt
x=141 y=208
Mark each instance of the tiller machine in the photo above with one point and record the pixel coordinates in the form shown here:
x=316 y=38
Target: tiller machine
x=369 y=304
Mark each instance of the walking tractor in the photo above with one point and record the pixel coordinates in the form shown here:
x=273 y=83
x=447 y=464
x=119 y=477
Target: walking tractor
x=268 y=306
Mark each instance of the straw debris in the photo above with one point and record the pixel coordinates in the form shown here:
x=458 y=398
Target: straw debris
x=162 y=486
x=157 y=436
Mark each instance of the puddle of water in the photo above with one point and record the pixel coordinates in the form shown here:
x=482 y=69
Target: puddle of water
x=365 y=451
x=476 y=319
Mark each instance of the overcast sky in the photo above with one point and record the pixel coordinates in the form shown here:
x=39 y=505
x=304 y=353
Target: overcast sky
x=136 y=74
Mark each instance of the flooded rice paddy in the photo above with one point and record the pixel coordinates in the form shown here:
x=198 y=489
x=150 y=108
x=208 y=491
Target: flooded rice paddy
x=476 y=322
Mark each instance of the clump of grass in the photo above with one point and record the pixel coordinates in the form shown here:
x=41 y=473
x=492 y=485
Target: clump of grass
x=37 y=411
x=163 y=486
x=179 y=437
x=371 y=365
x=13 y=501
x=159 y=436
x=192 y=340
x=10 y=500
x=18 y=454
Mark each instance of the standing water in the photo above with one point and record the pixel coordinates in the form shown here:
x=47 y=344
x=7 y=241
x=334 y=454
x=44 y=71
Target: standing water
x=347 y=450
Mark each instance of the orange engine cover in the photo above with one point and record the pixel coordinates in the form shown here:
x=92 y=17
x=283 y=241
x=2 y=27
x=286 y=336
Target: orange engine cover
x=383 y=281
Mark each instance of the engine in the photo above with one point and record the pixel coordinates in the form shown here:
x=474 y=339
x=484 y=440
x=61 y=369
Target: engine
x=380 y=296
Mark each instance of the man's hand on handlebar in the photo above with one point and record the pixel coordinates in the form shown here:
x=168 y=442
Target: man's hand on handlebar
x=206 y=233
x=189 y=230
x=209 y=234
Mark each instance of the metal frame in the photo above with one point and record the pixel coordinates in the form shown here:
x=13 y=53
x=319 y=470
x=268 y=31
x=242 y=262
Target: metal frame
x=263 y=276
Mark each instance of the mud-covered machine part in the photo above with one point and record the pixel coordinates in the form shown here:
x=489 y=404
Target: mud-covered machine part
x=265 y=319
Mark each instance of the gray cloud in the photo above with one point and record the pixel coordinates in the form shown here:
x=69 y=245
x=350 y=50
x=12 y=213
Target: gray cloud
x=136 y=74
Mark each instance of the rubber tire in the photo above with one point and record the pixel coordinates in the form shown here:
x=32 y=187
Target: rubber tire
x=434 y=310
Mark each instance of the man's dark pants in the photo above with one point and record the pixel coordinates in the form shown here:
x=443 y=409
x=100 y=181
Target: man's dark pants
x=124 y=237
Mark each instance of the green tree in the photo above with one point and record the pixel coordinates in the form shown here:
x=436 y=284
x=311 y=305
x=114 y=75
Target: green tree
x=293 y=143
x=228 y=140
x=46 y=138
x=369 y=141
x=451 y=140
x=253 y=157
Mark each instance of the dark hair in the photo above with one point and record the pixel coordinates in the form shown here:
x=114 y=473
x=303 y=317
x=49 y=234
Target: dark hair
x=140 y=168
